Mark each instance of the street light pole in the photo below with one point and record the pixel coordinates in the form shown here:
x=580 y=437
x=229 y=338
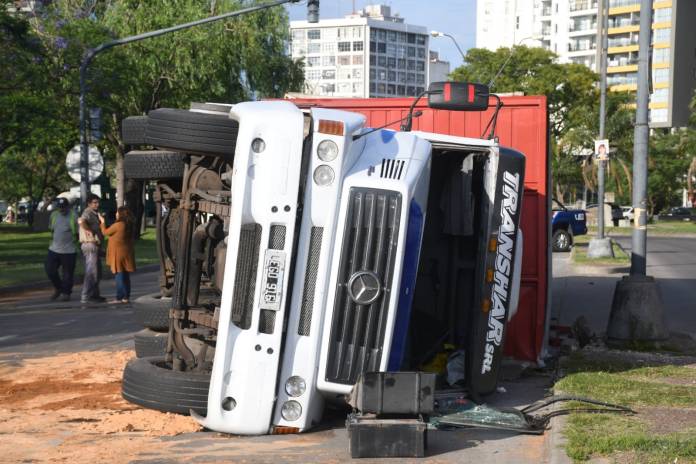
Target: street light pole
x=637 y=312
x=444 y=34
x=313 y=16
x=600 y=246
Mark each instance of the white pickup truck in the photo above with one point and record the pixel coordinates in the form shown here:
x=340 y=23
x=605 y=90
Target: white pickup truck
x=301 y=248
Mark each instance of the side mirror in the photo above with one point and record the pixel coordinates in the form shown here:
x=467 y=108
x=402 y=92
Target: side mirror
x=458 y=96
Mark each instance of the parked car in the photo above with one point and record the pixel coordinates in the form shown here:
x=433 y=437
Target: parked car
x=678 y=213
x=616 y=212
x=627 y=212
x=565 y=224
x=301 y=249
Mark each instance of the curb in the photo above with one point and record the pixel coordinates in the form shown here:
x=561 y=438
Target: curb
x=40 y=284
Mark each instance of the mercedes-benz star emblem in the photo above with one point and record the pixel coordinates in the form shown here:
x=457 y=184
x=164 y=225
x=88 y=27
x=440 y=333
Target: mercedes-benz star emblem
x=364 y=287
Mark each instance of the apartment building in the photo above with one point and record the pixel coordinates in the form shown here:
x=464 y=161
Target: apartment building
x=370 y=53
x=571 y=29
x=673 y=59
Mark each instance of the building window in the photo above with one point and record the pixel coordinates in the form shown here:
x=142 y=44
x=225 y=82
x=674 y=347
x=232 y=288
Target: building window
x=420 y=39
x=391 y=49
x=373 y=73
x=382 y=61
x=314 y=34
x=298 y=34
x=328 y=47
x=381 y=88
x=401 y=90
x=382 y=75
x=344 y=73
x=372 y=87
x=357 y=73
x=660 y=75
x=343 y=46
x=373 y=60
x=314 y=47
x=312 y=74
x=659 y=96
x=661 y=55
x=658 y=115
x=381 y=48
x=402 y=77
x=313 y=61
x=401 y=63
x=411 y=38
x=328 y=74
x=421 y=52
x=391 y=89
x=392 y=36
x=382 y=34
x=420 y=66
x=411 y=52
x=358 y=46
x=662 y=15
x=392 y=76
x=411 y=78
x=357 y=59
x=662 y=35
x=411 y=65
x=328 y=60
x=420 y=79
x=344 y=60
x=391 y=62
x=373 y=47
x=357 y=87
x=411 y=91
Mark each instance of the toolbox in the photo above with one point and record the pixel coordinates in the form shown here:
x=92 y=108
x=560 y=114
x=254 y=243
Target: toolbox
x=373 y=437
x=394 y=393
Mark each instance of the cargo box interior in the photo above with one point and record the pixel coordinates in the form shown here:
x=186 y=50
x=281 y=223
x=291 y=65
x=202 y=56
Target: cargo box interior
x=445 y=285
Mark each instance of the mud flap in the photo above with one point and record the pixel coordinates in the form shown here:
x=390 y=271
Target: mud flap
x=495 y=275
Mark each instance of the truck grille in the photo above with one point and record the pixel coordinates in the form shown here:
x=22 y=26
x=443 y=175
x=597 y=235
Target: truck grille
x=245 y=278
x=367 y=258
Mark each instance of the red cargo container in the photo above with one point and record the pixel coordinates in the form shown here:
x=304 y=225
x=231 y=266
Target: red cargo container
x=522 y=125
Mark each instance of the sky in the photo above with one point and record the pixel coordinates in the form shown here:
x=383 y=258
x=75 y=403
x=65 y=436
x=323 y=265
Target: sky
x=454 y=17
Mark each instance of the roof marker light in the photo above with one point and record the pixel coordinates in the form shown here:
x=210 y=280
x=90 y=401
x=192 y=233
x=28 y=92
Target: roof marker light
x=331 y=127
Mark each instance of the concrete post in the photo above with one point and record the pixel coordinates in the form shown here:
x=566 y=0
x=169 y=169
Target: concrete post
x=637 y=312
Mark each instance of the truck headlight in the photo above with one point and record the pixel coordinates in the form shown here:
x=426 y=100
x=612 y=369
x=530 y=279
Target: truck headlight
x=323 y=175
x=258 y=145
x=327 y=150
x=291 y=410
x=295 y=386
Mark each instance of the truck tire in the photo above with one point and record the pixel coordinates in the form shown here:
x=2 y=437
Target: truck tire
x=152 y=311
x=561 y=240
x=151 y=383
x=192 y=132
x=150 y=343
x=153 y=165
x=133 y=130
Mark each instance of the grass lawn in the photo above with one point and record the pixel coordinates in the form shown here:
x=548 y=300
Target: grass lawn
x=579 y=253
x=22 y=254
x=658 y=228
x=659 y=387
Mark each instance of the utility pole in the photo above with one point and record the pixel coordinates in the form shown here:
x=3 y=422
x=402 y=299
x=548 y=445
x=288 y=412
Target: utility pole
x=600 y=246
x=312 y=16
x=637 y=312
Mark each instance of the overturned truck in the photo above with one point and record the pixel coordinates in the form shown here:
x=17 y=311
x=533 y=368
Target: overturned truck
x=300 y=248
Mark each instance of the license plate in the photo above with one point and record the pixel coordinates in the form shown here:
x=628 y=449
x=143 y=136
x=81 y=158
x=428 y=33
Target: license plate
x=272 y=286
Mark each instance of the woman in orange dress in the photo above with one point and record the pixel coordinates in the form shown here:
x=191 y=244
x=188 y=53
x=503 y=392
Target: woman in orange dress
x=120 y=255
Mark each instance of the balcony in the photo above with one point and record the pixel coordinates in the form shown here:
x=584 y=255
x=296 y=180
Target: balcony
x=581 y=46
x=616 y=3
x=583 y=26
x=546 y=11
x=623 y=61
x=580 y=5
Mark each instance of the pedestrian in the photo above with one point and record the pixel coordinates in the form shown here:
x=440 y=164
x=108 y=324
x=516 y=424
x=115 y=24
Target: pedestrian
x=62 y=251
x=91 y=239
x=120 y=255
x=10 y=215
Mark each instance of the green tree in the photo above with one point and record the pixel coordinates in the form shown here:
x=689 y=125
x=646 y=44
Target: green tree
x=229 y=61
x=571 y=95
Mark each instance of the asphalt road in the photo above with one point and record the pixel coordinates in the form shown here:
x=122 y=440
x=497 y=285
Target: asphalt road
x=587 y=291
x=32 y=326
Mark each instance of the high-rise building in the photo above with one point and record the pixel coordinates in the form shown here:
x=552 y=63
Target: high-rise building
x=572 y=30
x=371 y=53
x=438 y=69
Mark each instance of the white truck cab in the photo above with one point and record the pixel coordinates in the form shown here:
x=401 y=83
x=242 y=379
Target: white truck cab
x=349 y=249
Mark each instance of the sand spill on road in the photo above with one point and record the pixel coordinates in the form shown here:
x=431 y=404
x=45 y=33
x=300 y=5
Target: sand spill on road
x=68 y=407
